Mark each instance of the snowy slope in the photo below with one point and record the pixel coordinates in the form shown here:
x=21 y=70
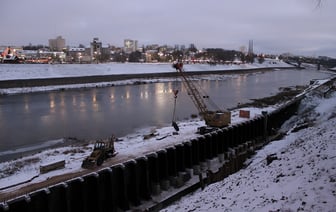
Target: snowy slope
x=302 y=178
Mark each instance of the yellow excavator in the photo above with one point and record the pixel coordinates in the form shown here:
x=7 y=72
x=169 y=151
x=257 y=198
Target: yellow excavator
x=102 y=150
x=213 y=119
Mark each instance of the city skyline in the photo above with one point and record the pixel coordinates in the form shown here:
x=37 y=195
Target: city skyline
x=298 y=27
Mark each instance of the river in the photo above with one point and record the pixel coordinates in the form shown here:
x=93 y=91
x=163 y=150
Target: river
x=29 y=122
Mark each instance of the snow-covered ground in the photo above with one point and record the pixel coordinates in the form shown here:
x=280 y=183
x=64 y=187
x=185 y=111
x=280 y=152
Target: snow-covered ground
x=302 y=178
x=40 y=71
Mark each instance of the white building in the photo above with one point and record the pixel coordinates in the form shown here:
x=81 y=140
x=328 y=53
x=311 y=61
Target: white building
x=130 y=45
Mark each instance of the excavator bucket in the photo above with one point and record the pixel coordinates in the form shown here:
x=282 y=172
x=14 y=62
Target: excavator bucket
x=88 y=164
x=176 y=127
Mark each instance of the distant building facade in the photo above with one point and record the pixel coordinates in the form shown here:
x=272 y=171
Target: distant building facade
x=130 y=45
x=96 y=49
x=57 y=44
x=79 y=55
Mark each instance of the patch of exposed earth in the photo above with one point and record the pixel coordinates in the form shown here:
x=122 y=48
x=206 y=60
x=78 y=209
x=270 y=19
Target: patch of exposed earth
x=284 y=94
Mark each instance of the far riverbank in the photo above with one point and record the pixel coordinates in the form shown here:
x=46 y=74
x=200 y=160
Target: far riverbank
x=55 y=81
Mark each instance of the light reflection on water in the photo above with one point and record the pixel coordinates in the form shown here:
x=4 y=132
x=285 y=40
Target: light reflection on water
x=26 y=104
x=98 y=112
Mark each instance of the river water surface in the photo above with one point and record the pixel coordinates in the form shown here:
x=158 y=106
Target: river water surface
x=38 y=119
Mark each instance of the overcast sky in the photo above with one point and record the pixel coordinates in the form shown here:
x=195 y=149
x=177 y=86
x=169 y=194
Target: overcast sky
x=275 y=26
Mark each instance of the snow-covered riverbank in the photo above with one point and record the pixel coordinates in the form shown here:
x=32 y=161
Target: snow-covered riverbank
x=137 y=73
x=301 y=178
x=41 y=71
x=26 y=168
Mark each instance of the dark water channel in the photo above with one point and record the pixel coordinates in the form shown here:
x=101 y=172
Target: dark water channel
x=30 y=121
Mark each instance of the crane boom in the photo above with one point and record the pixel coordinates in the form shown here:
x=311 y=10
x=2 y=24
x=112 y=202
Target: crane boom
x=212 y=118
x=193 y=92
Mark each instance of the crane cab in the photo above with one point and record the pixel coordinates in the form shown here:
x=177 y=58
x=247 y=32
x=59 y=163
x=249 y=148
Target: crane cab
x=217 y=119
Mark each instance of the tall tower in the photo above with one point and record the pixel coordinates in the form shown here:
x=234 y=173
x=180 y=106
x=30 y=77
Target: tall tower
x=250 y=48
x=250 y=54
